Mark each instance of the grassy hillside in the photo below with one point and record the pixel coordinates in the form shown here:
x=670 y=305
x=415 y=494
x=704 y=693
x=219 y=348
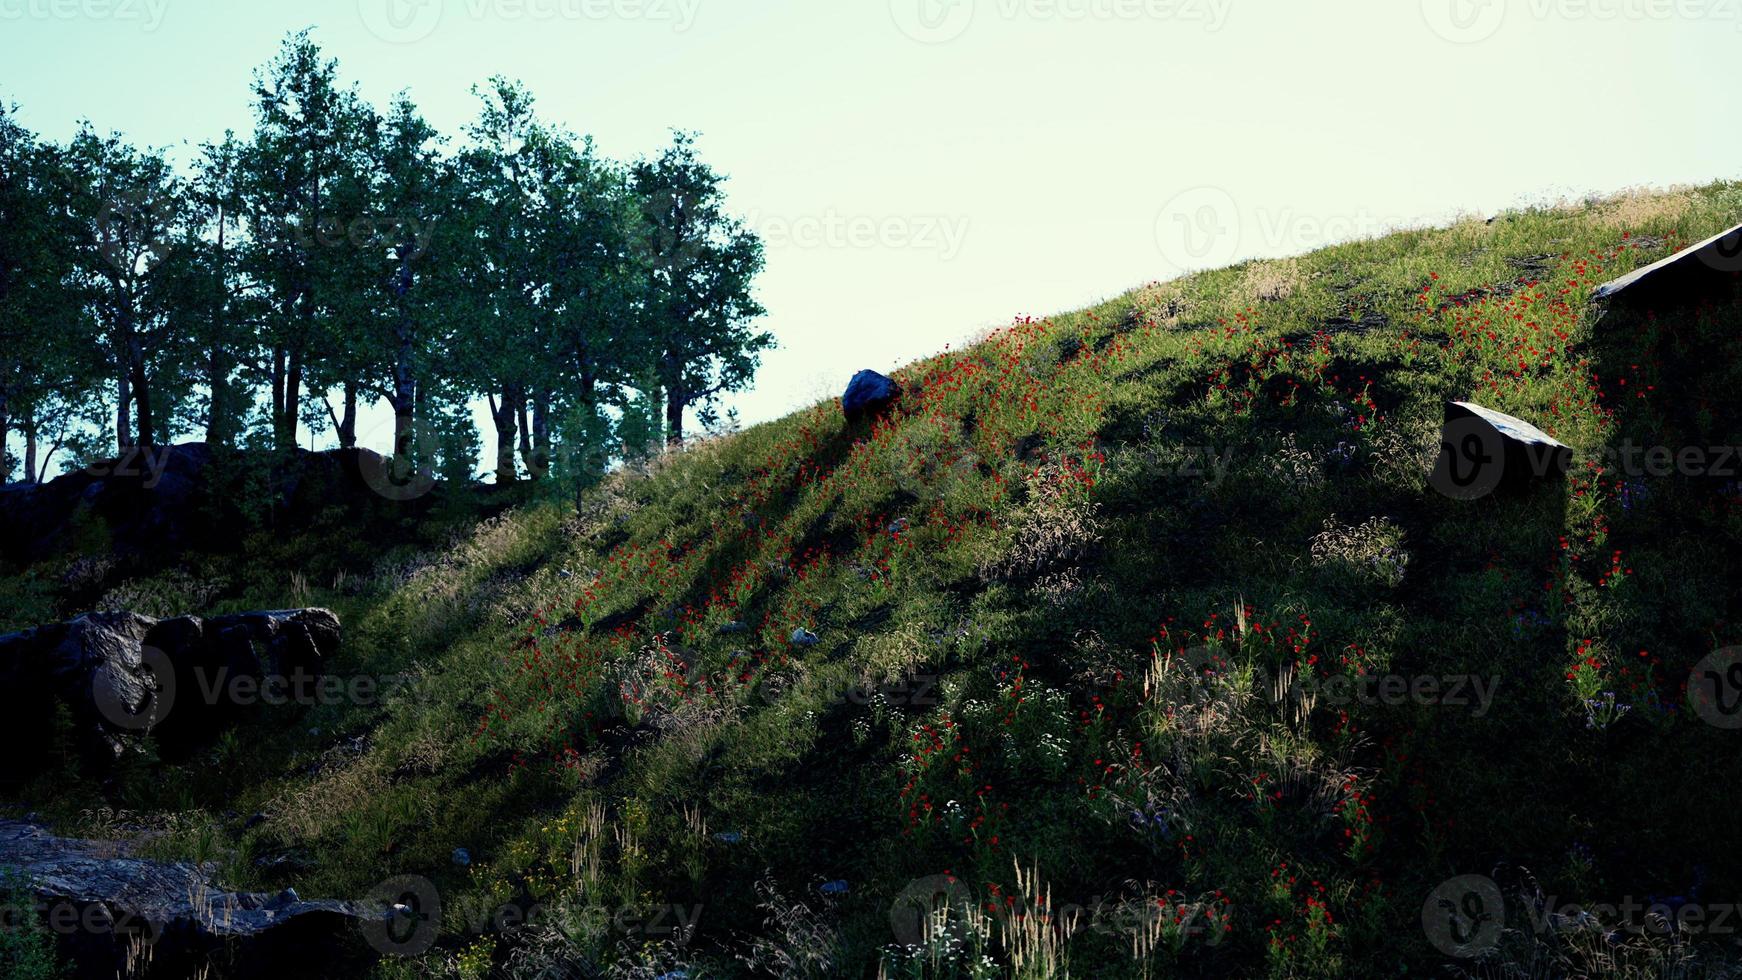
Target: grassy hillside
x=1100 y=620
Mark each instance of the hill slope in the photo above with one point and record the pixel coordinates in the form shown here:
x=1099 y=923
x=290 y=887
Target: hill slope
x=1137 y=628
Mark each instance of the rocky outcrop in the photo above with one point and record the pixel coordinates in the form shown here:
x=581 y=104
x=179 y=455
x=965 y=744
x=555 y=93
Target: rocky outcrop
x=97 y=898
x=119 y=675
x=152 y=502
x=1705 y=272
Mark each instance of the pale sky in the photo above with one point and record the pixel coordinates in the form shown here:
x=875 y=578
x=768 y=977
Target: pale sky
x=922 y=169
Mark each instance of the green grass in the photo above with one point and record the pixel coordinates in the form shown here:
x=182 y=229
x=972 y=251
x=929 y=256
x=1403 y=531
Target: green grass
x=1228 y=469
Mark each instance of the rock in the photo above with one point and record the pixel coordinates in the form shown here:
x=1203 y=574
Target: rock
x=96 y=666
x=868 y=396
x=121 y=675
x=154 y=502
x=96 y=896
x=1482 y=451
x=1709 y=271
x=802 y=637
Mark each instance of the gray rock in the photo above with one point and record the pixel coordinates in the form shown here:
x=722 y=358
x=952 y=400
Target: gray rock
x=121 y=675
x=106 y=892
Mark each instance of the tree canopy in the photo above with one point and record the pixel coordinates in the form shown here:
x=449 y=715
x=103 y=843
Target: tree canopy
x=341 y=254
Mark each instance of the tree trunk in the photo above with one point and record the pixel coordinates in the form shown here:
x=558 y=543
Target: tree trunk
x=30 y=448
x=142 y=397
x=5 y=436
x=406 y=393
x=123 y=413
x=421 y=450
x=218 y=385
x=506 y=417
x=292 y=400
x=538 y=458
x=675 y=401
x=218 y=431
x=673 y=420
x=526 y=440
x=279 y=359
x=347 y=427
x=405 y=398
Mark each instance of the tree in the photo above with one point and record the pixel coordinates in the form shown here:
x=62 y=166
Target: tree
x=216 y=310
x=335 y=249
x=700 y=263
x=502 y=277
x=585 y=235
x=127 y=207
x=40 y=319
x=412 y=190
x=552 y=273
x=306 y=131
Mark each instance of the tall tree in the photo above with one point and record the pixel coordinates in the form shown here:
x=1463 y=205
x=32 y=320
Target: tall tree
x=306 y=129
x=501 y=273
x=700 y=265
x=401 y=320
x=45 y=340
x=220 y=316
x=127 y=205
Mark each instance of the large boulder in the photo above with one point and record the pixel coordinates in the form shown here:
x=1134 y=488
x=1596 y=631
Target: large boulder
x=97 y=896
x=119 y=675
x=1705 y=272
x=1483 y=451
x=868 y=396
x=94 y=665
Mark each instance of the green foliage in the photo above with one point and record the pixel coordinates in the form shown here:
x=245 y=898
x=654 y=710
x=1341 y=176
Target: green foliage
x=26 y=945
x=339 y=255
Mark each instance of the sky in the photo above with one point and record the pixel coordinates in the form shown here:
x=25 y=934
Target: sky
x=923 y=169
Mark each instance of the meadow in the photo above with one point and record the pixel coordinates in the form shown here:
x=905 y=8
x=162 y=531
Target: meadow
x=1133 y=643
